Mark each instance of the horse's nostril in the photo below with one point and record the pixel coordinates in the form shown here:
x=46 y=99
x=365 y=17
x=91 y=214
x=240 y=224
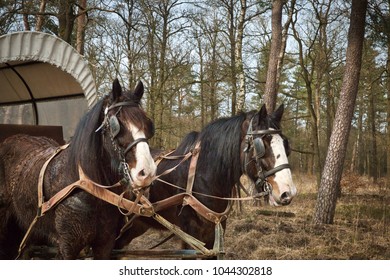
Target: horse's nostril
x=141 y=173
x=285 y=195
x=285 y=198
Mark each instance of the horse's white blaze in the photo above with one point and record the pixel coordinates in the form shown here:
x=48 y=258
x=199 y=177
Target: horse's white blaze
x=145 y=169
x=283 y=178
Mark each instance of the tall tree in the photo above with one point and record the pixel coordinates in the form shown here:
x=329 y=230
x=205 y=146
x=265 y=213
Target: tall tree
x=229 y=5
x=330 y=180
x=239 y=102
x=276 y=46
x=81 y=24
x=66 y=19
x=40 y=16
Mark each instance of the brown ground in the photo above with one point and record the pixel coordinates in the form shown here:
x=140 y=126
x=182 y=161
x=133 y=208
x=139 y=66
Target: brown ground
x=361 y=228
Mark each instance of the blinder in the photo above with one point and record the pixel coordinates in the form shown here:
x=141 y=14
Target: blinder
x=254 y=140
x=114 y=125
x=259 y=147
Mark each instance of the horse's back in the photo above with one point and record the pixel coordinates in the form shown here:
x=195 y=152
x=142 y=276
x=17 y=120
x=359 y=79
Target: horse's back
x=21 y=158
x=23 y=154
x=15 y=149
x=24 y=141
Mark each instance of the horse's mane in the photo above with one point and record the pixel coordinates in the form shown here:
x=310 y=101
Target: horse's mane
x=86 y=147
x=221 y=139
x=187 y=143
x=220 y=146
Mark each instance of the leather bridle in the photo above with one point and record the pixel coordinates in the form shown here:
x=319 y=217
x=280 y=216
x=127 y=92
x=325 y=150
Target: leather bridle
x=112 y=125
x=254 y=143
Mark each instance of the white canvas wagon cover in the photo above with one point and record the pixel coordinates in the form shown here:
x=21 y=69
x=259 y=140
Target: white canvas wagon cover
x=43 y=81
x=37 y=66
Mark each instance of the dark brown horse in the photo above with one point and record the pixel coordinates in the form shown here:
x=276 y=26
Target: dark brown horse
x=110 y=144
x=249 y=143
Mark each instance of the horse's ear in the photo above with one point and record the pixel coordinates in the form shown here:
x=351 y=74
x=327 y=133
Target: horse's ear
x=277 y=115
x=263 y=112
x=139 y=90
x=262 y=116
x=116 y=90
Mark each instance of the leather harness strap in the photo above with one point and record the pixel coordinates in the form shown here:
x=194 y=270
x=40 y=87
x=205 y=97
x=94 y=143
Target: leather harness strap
x=83 y=183
x=146 y=208
x=187 y=198
x=40 y=199
x=192 y=168
x=89 y=186
x=104 y=194
x=204 y=211
x=195 y=204
x=42 y=175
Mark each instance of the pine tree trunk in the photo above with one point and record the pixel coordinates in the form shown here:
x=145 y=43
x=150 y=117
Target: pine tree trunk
x=276 y=44
x=331 y=176
x=40 y=17
x=81 y=23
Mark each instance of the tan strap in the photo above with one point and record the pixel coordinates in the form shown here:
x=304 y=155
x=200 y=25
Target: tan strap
x=183 y=157
x=192 y=168
x=42 y=175
x=169 y=202
x=200 y=208
x=206 y=212
x=104 y=194
x=22 y=244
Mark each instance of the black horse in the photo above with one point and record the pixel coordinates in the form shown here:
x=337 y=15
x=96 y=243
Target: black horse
x=249 y=143
x=110 y=143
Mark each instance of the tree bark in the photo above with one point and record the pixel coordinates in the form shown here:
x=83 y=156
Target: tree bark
x=240 y=65
x=66 y=18
x=331 y=176
x=284 y=43
x=233 y=45
x=81 y=23
x=26 y=23
x=276 y=44
x=373 y=155
x=40 y=16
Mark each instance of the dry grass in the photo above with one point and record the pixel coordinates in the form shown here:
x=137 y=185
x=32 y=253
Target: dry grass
x=360 y=230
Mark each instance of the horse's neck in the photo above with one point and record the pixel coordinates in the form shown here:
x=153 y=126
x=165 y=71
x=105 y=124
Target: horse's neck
x=221 y=184
x=99 y=171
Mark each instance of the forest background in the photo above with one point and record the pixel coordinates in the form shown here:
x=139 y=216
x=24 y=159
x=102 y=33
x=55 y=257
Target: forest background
x=201 y=60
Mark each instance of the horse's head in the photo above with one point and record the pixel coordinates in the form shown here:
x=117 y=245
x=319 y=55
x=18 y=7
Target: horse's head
x=126 y=129
x=265 y=152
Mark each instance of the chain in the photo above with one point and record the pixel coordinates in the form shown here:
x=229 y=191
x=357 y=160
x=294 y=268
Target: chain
x=124 y=168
